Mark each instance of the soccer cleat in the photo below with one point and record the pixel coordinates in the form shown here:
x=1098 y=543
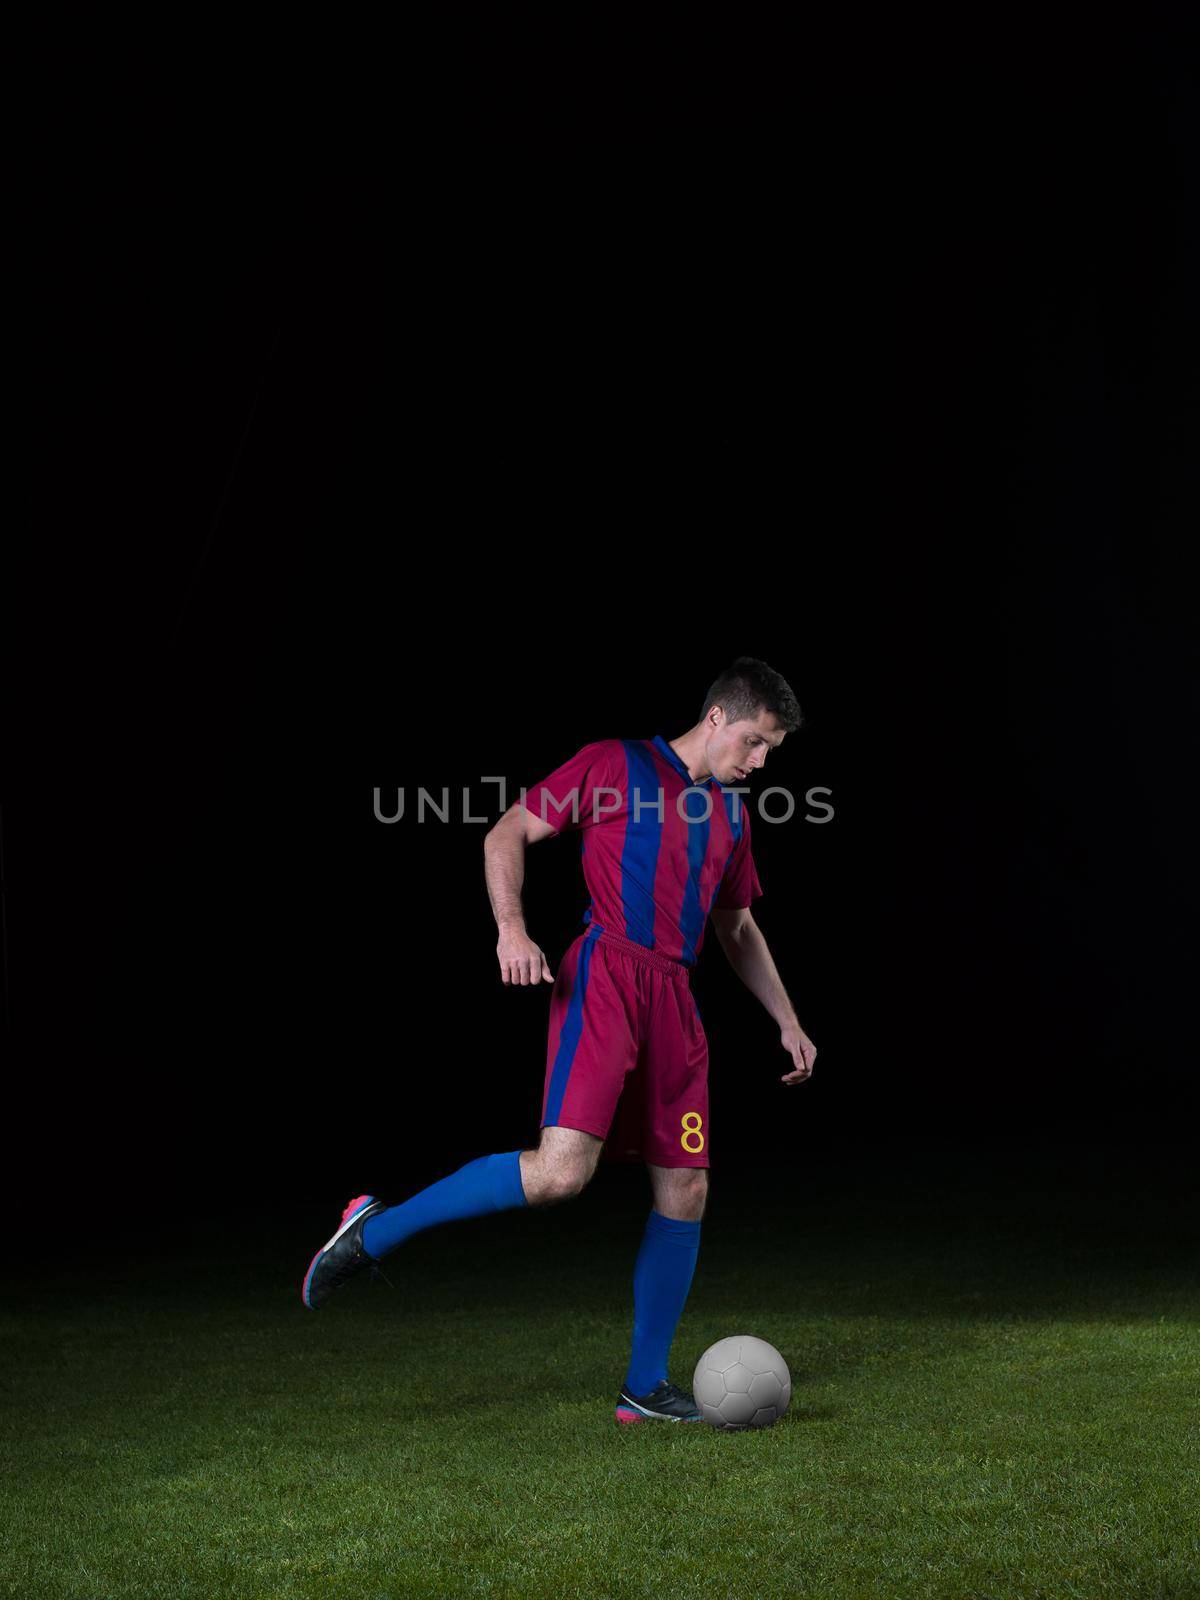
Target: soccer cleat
x=343 y=1256
x=664 y=1403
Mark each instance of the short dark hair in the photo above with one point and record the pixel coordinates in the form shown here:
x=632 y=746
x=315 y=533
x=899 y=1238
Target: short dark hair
x=749 y=687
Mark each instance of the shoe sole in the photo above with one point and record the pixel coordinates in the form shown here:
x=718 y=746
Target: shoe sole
x=628 y=1414
x=368 y=1200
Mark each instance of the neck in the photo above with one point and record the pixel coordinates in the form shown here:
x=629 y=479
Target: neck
x=689 y=747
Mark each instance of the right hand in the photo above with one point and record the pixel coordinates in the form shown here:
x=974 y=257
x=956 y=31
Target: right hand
x=521 y=961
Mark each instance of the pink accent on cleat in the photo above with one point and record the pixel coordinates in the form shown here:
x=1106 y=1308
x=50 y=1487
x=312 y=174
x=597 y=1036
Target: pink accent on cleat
x=625 y=1415
x=355 y=1205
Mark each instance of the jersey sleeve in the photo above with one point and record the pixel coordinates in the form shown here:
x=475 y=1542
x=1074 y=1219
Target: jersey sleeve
x=740 y=884
x=568 y=797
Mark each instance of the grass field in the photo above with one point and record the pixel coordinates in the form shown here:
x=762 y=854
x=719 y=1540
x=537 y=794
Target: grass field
x=995 y=1383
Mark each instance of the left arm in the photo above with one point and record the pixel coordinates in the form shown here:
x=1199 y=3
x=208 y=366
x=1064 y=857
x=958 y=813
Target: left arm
x=742 y=941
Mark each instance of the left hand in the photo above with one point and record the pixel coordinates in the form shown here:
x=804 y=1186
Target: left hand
x=802 y=1051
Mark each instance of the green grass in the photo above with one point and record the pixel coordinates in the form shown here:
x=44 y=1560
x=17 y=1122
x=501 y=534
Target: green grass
x=991 y=1398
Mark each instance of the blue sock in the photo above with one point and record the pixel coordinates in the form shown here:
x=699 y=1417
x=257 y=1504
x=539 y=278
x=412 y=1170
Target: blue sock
x=490 y=1183
x=661 y=1280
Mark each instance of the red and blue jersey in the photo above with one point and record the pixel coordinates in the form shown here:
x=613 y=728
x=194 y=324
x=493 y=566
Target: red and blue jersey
x=659 y=851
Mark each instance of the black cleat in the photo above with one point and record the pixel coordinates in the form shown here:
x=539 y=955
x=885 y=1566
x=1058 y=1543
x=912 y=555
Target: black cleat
x=343 y=1256
x=664 y=1403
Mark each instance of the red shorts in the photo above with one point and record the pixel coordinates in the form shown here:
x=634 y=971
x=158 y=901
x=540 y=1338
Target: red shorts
x=626 y=1059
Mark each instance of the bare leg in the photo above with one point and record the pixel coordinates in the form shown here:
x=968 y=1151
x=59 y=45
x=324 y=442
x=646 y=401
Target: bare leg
x=679 y=1192
x=562 y=1165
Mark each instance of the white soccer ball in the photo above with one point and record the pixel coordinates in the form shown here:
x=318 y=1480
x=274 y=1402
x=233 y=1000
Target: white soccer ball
x=742 y=1382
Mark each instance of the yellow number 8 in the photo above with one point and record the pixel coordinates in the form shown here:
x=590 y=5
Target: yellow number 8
x=690 y=1132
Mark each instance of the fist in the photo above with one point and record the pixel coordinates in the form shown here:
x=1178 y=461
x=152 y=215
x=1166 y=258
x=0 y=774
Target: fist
x=522 y=961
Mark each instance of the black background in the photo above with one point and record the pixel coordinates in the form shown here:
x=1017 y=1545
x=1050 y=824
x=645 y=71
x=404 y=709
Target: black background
x=415 y=459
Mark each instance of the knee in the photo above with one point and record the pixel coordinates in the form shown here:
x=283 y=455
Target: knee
x=567 y=1182
x=685 y=1200
x=546 y=1183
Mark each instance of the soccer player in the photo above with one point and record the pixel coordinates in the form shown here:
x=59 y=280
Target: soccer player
x=666 y=845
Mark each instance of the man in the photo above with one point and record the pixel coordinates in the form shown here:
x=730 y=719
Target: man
x=666 y=845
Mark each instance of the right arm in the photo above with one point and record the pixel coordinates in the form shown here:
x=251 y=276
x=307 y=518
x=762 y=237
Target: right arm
x=521 y=961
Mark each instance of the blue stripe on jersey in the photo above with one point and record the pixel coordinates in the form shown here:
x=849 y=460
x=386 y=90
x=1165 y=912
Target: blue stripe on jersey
x=664 y=750
x=643 y=840
x=735 y=828
x=692 y=914
x=568 y=1039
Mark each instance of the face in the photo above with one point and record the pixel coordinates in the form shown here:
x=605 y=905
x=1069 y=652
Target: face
x=736 y=750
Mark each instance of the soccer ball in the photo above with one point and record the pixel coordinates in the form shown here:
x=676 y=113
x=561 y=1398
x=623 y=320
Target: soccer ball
x=742 y=1382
